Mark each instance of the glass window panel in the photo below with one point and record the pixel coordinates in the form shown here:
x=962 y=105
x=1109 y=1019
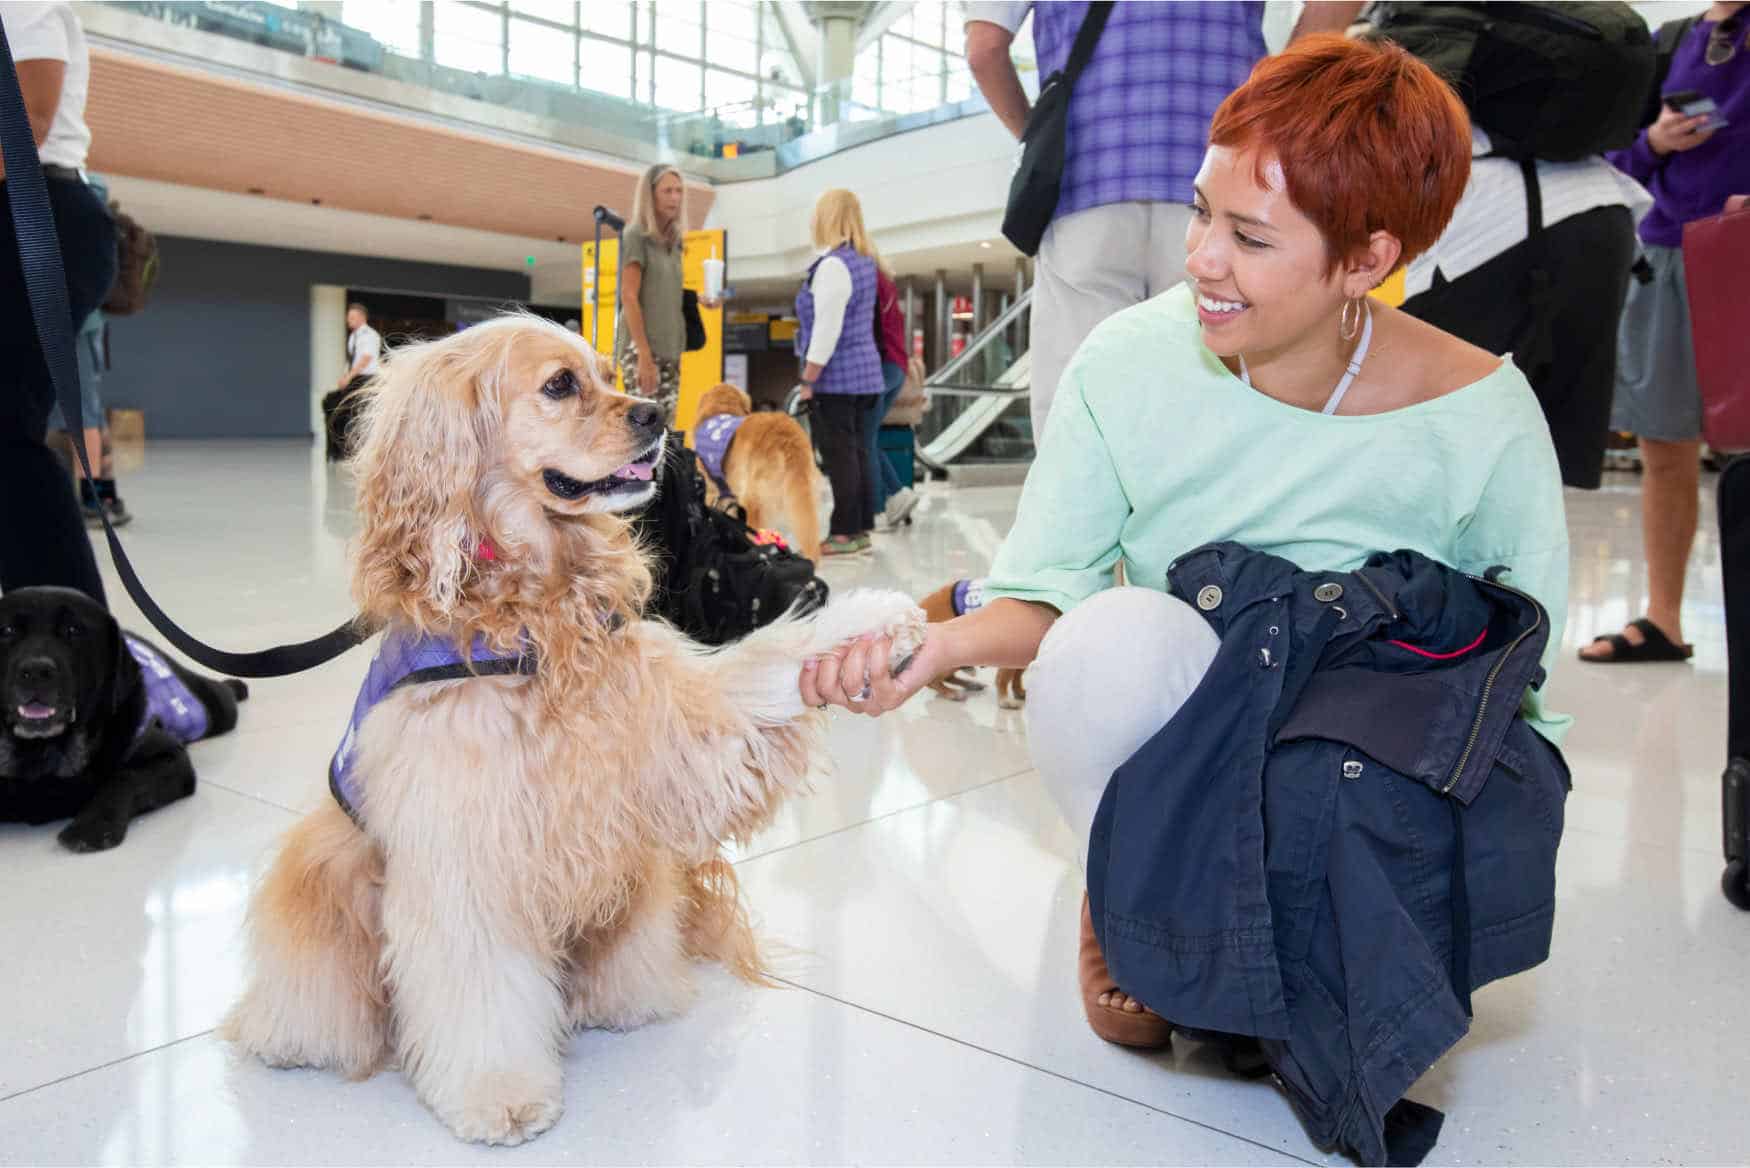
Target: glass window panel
x=557 y=11
x=467 y=38
x=736 y=18
x=731 y=97
x=393 y=23
x=959 y=82
x=539 y=51
x=608 y=17
x=611 y=18
x=677 y=84
x=730 y=51
x=865 y=82
x=604 y=67
x=677 y=30
x=926 y=23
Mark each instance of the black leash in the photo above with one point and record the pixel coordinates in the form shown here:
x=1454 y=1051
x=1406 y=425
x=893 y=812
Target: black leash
x=39 y=252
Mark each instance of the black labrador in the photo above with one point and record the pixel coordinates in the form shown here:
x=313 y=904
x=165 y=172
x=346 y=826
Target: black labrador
x=96 y=721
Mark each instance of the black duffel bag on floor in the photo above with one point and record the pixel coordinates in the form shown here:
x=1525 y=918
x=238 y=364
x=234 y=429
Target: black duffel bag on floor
x=713 y=582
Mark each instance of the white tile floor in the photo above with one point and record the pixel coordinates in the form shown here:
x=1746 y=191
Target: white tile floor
x=926 y=897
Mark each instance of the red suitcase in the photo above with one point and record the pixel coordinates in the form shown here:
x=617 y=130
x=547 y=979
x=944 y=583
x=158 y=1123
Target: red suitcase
x=1716 y=265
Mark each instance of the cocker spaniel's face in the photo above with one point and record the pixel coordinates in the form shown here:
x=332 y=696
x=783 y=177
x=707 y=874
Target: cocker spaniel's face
x=487 y=446
x=568 y=438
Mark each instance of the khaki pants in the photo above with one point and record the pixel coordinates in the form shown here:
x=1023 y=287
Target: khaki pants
x=1091 y=264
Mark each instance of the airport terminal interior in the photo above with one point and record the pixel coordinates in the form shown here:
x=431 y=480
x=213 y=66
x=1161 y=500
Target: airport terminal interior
x=437 y=165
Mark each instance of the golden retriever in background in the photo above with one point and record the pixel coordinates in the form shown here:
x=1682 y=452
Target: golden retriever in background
x=770 y=470
x=958 y=684
x=532 y=853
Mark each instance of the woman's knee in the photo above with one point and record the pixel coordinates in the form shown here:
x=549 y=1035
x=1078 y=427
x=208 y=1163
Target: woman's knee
x=1125 y=659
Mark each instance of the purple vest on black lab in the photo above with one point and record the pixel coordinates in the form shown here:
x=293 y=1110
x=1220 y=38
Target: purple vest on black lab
x=169 y=701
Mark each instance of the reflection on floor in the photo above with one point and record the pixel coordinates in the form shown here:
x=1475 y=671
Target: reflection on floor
x=926 y=898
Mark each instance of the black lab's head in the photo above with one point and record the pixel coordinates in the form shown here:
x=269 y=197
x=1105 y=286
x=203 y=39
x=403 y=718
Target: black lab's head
x=58 y=660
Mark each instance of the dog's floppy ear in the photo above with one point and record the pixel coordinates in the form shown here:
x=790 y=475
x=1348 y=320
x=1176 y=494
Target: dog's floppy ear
x=430 y=420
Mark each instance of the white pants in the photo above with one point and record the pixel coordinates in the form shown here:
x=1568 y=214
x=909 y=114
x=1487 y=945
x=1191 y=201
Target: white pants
x=1110 y=673
x=1091 y=264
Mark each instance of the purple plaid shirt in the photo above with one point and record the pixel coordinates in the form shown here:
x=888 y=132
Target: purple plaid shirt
x=1139 y=116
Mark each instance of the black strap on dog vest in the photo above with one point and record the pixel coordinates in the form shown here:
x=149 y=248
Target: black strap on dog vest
x=39 y=253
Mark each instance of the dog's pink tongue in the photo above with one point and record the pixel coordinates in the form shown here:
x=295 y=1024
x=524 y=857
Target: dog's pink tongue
x=35 y=711
x=643 y=471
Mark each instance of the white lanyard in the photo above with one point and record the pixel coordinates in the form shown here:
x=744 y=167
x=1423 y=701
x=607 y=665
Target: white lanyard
x=1348 y=378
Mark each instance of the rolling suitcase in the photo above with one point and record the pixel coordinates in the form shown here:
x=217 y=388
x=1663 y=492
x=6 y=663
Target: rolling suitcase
x=1716 y=268
x=1734 y=508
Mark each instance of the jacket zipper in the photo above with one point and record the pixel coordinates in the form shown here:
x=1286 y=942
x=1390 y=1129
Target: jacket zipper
x=1476 y=727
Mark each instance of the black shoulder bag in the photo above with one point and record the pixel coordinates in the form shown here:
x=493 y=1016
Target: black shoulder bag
x=1034 y=189
x=39 y=253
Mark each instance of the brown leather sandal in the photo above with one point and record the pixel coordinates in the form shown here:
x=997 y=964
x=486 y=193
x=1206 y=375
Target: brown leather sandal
x=1143 y=1028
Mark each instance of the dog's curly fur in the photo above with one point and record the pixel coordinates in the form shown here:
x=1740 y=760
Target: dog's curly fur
x=536 y=853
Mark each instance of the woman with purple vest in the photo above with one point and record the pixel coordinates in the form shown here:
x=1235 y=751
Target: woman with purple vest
x=841 y=366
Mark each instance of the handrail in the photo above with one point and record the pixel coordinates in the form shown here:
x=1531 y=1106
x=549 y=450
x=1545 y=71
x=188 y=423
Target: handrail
x=940 y=378
x=993 y=400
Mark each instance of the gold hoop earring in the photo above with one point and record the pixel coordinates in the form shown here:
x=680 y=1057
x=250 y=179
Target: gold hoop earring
x=1346 y=328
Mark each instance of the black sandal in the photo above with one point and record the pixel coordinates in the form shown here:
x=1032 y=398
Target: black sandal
x=1656 y=647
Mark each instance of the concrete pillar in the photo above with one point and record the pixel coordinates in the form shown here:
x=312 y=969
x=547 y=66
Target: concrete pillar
x=911 y=315
x=977 y=299
x=835 y=57
x=944 y=320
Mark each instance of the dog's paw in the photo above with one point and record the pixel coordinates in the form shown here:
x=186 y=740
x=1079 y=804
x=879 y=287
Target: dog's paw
x=96 y=836
x=869 y=611
x=505 y=1108
x=1011 y=703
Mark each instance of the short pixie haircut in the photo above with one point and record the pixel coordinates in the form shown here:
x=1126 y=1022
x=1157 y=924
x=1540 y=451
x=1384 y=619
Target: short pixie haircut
x=1369 y=138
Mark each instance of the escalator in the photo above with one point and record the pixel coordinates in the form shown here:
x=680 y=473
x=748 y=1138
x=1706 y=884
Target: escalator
x=979 y=401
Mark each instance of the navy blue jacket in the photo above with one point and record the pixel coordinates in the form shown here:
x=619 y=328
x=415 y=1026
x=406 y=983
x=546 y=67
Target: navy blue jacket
x=1349 y=789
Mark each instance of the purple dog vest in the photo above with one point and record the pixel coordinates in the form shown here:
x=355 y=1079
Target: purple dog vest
x=169 y=701
x=711 y=442
x=408 y=659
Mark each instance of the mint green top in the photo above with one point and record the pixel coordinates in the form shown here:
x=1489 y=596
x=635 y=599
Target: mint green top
x=1155 y=449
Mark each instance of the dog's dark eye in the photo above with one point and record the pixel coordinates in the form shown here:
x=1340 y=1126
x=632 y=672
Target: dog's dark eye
x=561 y=385
x=7 y=632
x=72 y=632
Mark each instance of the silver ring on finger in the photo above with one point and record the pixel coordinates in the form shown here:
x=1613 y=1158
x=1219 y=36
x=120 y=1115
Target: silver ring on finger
x=863 y=694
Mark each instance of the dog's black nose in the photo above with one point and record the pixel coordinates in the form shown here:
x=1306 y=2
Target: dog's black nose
x=645 y=416
x=35 y=671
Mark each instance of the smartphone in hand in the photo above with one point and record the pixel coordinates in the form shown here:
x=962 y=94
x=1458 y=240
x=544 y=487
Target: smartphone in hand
x=1691 y=103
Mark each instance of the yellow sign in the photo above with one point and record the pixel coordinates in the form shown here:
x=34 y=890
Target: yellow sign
x=700 y=370
x=1391 y=293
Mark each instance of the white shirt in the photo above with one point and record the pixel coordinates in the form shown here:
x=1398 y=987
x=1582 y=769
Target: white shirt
x=831 y=286
x=1490 y=217
x=51 y=32
x=364 y=339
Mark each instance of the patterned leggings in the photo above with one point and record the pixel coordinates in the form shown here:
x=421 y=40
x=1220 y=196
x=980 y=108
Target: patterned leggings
x=667 y=390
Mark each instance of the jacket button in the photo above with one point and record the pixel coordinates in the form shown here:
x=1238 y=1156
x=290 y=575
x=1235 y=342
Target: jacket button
x=1209 y=598
x=1351 y=769
x=1326 y=593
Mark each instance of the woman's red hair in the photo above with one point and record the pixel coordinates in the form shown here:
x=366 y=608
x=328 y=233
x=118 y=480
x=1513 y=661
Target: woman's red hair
x=1370 y=139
